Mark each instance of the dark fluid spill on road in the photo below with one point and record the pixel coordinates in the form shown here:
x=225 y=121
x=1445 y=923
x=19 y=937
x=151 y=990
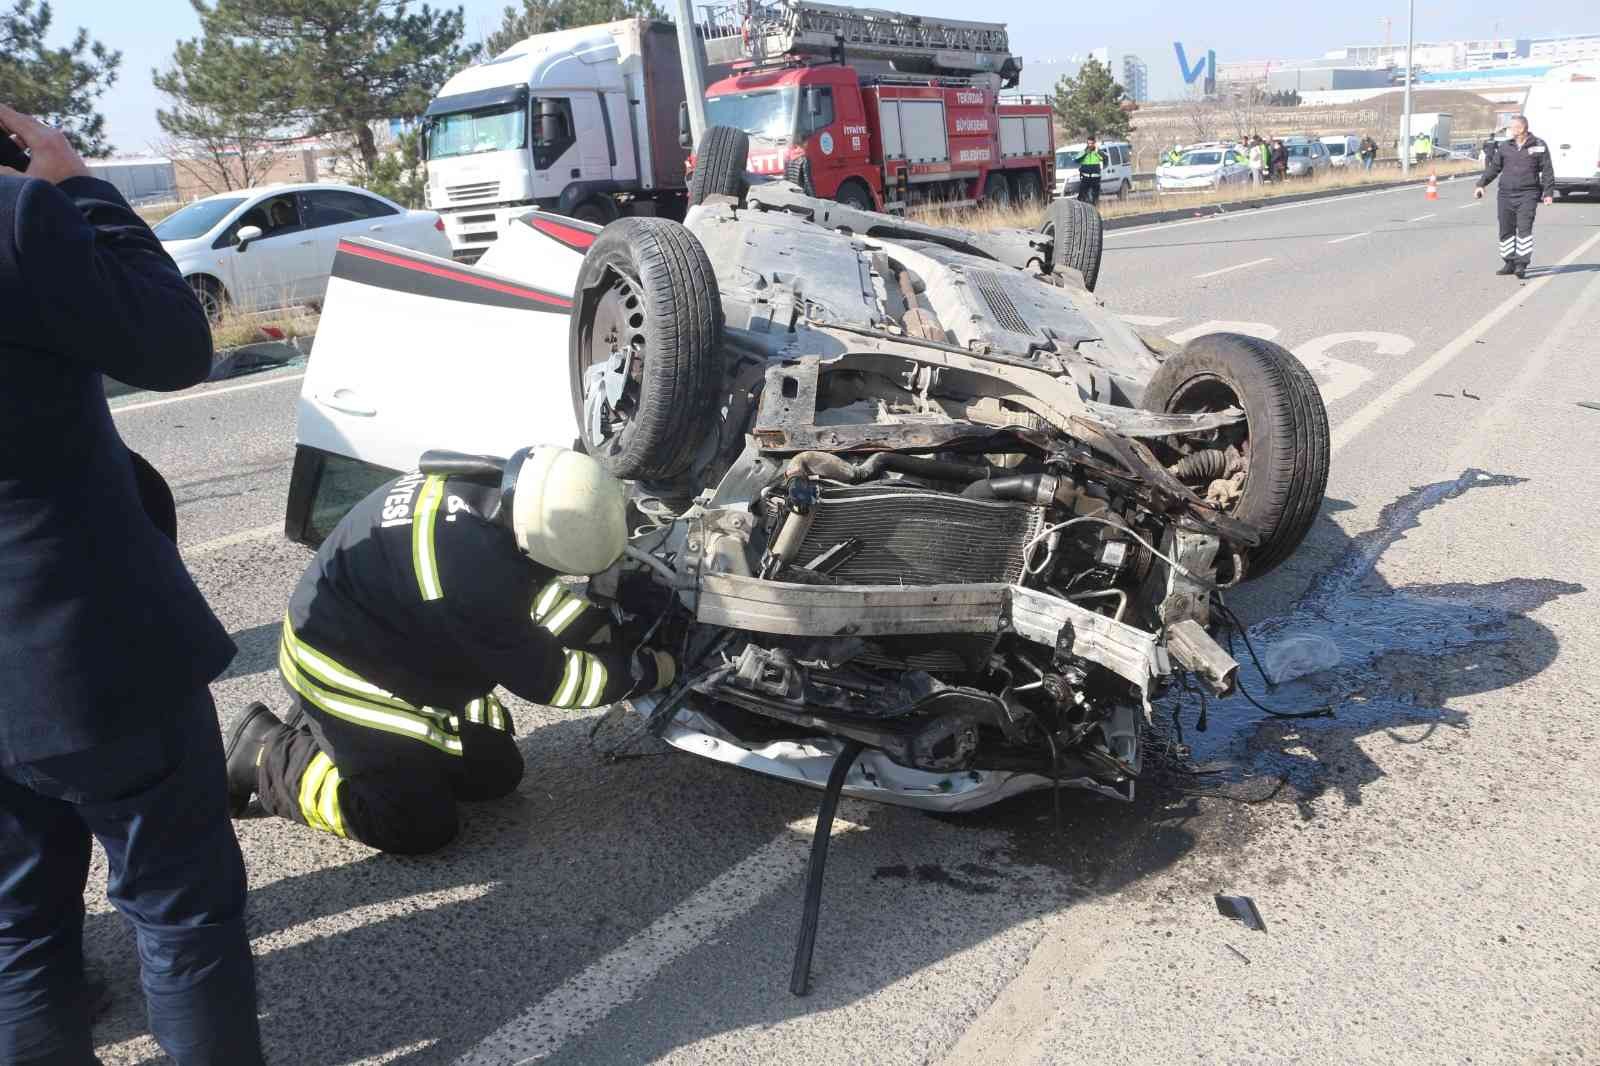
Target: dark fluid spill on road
x=1406 y=653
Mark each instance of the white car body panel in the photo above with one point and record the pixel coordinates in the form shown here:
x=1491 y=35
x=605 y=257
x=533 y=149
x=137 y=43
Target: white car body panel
x=395 y=373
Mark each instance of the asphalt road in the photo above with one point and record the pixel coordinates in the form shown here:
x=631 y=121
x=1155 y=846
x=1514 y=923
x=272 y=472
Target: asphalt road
x=1424 y=860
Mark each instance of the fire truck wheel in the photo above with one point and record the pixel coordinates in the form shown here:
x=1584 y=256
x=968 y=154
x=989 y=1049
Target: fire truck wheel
x=645 y=348
x=854 y=194
x=1030 y=187
x=719 y=164
x=1078 y=236
x=997 y=190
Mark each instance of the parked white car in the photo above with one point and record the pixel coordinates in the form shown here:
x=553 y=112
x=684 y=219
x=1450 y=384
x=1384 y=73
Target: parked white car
x=1342 y=148
x=256 y=249
x=1203 y=166
x=1116 y=175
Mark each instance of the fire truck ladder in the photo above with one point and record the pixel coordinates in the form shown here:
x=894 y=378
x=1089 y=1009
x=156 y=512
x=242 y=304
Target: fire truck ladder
x=767 y=31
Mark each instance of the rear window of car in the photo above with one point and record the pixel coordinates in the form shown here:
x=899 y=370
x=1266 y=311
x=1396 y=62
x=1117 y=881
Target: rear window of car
x=1336 y=148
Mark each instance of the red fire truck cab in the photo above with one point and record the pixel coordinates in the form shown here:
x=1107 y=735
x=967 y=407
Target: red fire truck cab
x=885 y=138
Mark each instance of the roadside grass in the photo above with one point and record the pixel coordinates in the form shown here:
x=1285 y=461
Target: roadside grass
x=235 y=329
x=985 y=217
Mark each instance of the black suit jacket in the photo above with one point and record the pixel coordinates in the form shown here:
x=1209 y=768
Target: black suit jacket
x=101 y=626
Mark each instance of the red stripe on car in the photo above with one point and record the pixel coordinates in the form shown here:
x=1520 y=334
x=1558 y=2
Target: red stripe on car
x=535 y=295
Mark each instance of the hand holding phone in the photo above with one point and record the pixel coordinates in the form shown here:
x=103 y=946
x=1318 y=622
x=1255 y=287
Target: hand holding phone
x=11 y=153
x=49 y=156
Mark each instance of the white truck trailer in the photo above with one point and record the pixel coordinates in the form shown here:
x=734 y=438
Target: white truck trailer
x=582 y=122
x=1563 y=109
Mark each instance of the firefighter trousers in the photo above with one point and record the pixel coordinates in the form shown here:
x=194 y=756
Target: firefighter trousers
x=1516 y=225
x=388 y=791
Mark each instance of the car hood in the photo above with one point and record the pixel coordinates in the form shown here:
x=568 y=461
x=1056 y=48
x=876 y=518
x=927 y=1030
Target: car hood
x=179 y=249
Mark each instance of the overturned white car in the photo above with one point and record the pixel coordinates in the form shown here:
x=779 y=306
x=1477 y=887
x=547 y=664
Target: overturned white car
x=906 y=493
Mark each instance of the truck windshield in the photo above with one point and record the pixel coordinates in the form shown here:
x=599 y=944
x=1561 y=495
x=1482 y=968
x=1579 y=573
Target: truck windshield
x=490 y=129
x=769 y=114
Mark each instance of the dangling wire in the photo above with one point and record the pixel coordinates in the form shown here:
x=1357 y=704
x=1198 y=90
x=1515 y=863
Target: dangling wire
x=1235 y=625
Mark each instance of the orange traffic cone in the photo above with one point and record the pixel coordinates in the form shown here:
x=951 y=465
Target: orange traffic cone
x=1433 y=186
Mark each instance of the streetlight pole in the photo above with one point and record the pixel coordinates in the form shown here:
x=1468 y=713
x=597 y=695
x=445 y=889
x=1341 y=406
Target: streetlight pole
x=691 y=52
x=1405 y=121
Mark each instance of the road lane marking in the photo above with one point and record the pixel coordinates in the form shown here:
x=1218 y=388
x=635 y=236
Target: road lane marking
x=244 y=536
x=1257 y=212
x=1351 y=237
x=1250 y=329
x=1422 y=218
x=123 y=409
x=1147 y=320
x=1470 y=203
x=585 y=999
x=1379 y=406
x=1236 y=266
x=1336 y=378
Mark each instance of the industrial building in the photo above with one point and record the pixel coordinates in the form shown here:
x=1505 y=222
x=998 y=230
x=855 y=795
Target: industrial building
x=1324 y=79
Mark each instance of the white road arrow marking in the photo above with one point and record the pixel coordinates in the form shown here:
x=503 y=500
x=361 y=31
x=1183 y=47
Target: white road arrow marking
x=1337 y=378
x=1249 y=329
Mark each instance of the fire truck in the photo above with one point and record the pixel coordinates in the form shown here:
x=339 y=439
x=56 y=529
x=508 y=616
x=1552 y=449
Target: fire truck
x=877 y=109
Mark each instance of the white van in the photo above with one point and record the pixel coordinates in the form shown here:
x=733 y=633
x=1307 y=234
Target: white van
x=1116 y=176
x=1564 y=112
x=1342 y=147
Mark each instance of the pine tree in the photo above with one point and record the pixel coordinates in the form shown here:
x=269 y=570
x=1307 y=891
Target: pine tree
x=57 y=85
x=547 y=16
x=400 y=175
x=209 y=123
x=1090 y=104
x=334 y=66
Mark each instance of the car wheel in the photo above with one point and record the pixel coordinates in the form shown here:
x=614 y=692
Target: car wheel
x=1079 y=238
x=1284 y=437
x=212 y=296
x=645 y=348
x=719 y=164
x=854 y=194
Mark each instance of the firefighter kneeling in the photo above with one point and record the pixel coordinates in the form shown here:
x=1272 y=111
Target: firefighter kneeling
x=428 y=594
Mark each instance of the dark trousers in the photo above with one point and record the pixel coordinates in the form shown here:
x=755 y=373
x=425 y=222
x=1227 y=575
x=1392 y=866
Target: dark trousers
x=1516 y=225
x=394 y=793
x=1089 y=190
x=157 y=802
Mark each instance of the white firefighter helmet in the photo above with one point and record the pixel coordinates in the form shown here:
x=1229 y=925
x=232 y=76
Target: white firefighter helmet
x=567 y=513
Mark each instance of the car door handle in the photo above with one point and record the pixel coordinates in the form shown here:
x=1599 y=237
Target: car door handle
x=347 y=400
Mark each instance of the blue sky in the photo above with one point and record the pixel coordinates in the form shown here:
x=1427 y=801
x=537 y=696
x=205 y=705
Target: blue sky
x=146 y=30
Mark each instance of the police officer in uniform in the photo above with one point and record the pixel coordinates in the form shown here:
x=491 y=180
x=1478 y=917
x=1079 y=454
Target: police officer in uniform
x=1090 y=164
x=1527 y=176
x=429 y=593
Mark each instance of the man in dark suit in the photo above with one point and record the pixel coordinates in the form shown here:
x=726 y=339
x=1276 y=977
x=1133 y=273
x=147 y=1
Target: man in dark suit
x=107 y=729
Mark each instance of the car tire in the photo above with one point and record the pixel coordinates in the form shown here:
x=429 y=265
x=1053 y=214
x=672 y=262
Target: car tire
x=719 y=165
x=212 y=296
x=646 y=300
x=852 y=193
x=1079 y=238
x=1286 y=424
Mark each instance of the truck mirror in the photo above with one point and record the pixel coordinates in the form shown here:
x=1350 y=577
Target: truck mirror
x=685 y=135
x=814 y=102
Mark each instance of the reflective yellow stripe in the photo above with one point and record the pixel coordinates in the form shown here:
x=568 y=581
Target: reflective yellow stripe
x=475 y=712
x=564 y=616
x=319 y=795
x=547 y=600
x=596 y=684
x=415 y=723
x=423 y=558
x=497 y=713
x=571 y=678
x=330 y=672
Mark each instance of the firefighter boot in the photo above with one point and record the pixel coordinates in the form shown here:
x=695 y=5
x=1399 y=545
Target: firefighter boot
x=1507 y=268
x=243 y=754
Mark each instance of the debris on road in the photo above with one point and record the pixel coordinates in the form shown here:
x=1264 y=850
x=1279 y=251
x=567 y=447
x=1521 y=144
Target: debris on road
x=1241 y=909
x=1299 y=655
x=1239 y=953
x=1589 y=405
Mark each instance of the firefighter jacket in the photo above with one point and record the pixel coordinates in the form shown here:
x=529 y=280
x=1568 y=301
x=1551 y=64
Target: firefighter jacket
x=1521 y=168
x=418 y=605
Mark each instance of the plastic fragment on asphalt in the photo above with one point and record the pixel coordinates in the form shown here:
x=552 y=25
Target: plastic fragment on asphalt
x=1239 y=953
x=1241 y=909
x=1299 y=655
x=1590 y=406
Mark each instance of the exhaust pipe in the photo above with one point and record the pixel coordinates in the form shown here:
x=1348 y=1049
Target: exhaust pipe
x=1193 y=647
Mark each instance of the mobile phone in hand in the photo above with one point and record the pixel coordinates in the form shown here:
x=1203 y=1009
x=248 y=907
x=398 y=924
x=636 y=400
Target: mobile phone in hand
x=11 y=153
